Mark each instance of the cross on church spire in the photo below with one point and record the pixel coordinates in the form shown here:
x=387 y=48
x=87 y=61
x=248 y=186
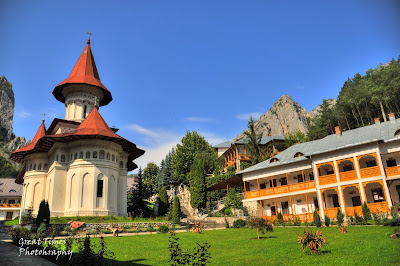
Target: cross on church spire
x=44 y=114
x=89 y=33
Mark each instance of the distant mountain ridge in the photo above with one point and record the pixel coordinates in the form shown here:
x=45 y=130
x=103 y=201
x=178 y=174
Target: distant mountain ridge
x=284 y=117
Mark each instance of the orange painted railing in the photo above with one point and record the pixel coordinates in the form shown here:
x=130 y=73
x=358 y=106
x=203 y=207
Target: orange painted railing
x=4 y=205
x=327 y=179
x=331 y=212
x=391 y=171
x=303 y=217
x=244 y=157
x=279 y=190
x=349 y=175
x=378 y=207
x=351 y=210
x=370 y=171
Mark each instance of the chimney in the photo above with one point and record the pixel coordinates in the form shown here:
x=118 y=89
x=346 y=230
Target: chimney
x=337 y=131
x=391 y=117
x=377 y=121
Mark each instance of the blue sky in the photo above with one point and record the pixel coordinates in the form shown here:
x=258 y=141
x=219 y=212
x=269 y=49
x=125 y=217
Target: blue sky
x=174 y=66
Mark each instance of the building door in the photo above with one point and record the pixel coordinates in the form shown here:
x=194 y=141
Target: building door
x=356 y=201
x=335 y=199
x=273 y=210
x=285 y=207
x=9 y=216
x=315 y=203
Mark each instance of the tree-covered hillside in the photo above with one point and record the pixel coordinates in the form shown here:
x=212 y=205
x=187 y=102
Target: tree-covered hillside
x=361 y=100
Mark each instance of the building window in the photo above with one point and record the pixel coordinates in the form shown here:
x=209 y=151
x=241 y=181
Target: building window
x=335 y=199
x=377 y=195
x=285 y=207
x=39 y=167
x=88 y=155
x=75 y=156
x=347 y=168
x=34 y=167
x=81 y=155
x=62 y=158
x=57 y=157
x=311 y=175
x=12 y=191
x=263 y=186
x=391 y=162
x=283 y=181
x=121 y=164
x=11 y=201
x=95 y=155
x=45 y=166
x=371 y=163
x=112 y=158
x=300 y=178
x=102 y=154
x=274 y=182
x=108 y=156
x=99 y=188
x=70 y=158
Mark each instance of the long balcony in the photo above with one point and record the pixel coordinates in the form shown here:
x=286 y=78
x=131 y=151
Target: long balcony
x=279 y=190
x=392 y=171
x=370 y=171
x=351 y=211
x=327 y=179
x=349 y=175
x=4 y=205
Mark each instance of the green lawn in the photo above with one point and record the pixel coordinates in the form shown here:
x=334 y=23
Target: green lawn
x=361 y=246
x=103 y=219
x=12 y=222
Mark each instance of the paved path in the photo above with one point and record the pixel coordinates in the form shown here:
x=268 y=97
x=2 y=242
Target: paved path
x=9 y=255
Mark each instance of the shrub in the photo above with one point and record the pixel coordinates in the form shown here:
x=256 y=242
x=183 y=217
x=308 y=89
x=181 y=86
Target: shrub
x=227 y=211
x=280 y=218
x=42 y=230
x=343 y=230
x=127 y=226
x=197 y=228
x=19 y=232
x=199 y=256
x=358 y=219
x=339 y=217
x=150 y=228
x=163 y=229
x=327 y=221
x=261 y=225
x=105 y=231
x=232 y=200
x=366 y=213
x=239 y=223
x=317 y=219
x=176 y=211
x=226 y=223
x=296 y=221
x=27 y=218
x=313 y=240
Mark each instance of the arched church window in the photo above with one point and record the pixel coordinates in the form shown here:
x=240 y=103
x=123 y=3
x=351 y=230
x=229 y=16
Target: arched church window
x=121 y=164
x=63 y=158
x=34 y=167
x=30 y=167
x=84 y=112
x=108 y=156
x=81 y=155
x=39 y=167
x=95 y=155
x=70 y=158
x=57 y=157
x=45 y=166
x=113 y=158
x=76 y=156
x=88 y=155
x=101 y=155
x=116 y=159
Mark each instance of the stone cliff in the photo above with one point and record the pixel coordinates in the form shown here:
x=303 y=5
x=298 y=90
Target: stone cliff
x=285 y=116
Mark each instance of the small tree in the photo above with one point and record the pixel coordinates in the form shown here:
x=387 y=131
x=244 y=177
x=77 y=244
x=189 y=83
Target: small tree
x=176 y=210
x=261 y=225
x=43 y=215
x=366 y=213
x=313 y=240
x=232 y=200
x=339 y=217
x=280 y=218
x=317 y=219
x=163 y=203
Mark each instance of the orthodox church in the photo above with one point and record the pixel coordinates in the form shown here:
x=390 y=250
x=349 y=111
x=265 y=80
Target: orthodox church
x=78 y=164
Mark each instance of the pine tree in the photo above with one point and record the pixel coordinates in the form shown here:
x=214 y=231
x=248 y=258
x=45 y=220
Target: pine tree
x=253 y=140
x=43 y=215
x=198 y=196
x=137 y=198
x=150 y=176
x=163 y=206
x=165 y=175
x=176 y=210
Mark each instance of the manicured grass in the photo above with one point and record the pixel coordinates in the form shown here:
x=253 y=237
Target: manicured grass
x=103 y=219
x=11 y=222
x=361 y=246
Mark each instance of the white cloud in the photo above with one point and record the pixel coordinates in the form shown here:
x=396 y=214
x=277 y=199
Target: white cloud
x=255 y=115
x=24 y=114
x=199 y=119
x=143 y=131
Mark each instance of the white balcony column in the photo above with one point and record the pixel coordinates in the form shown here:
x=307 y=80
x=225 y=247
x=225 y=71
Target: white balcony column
x=336 y=171
x=357 y=167
x=379 y=158
x=362 y=192
x=342 y=204
x=387 y=194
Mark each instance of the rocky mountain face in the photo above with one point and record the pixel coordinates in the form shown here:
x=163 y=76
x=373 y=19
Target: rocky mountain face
x=8 y=141
x=285 y=116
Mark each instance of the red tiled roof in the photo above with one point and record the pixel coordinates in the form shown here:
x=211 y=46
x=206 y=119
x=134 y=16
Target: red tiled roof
x=93 y=127
x=28 y=148
x=84 y=72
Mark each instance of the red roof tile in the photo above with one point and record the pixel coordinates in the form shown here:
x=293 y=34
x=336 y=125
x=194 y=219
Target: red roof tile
x=84 y=72
x=39 y=134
